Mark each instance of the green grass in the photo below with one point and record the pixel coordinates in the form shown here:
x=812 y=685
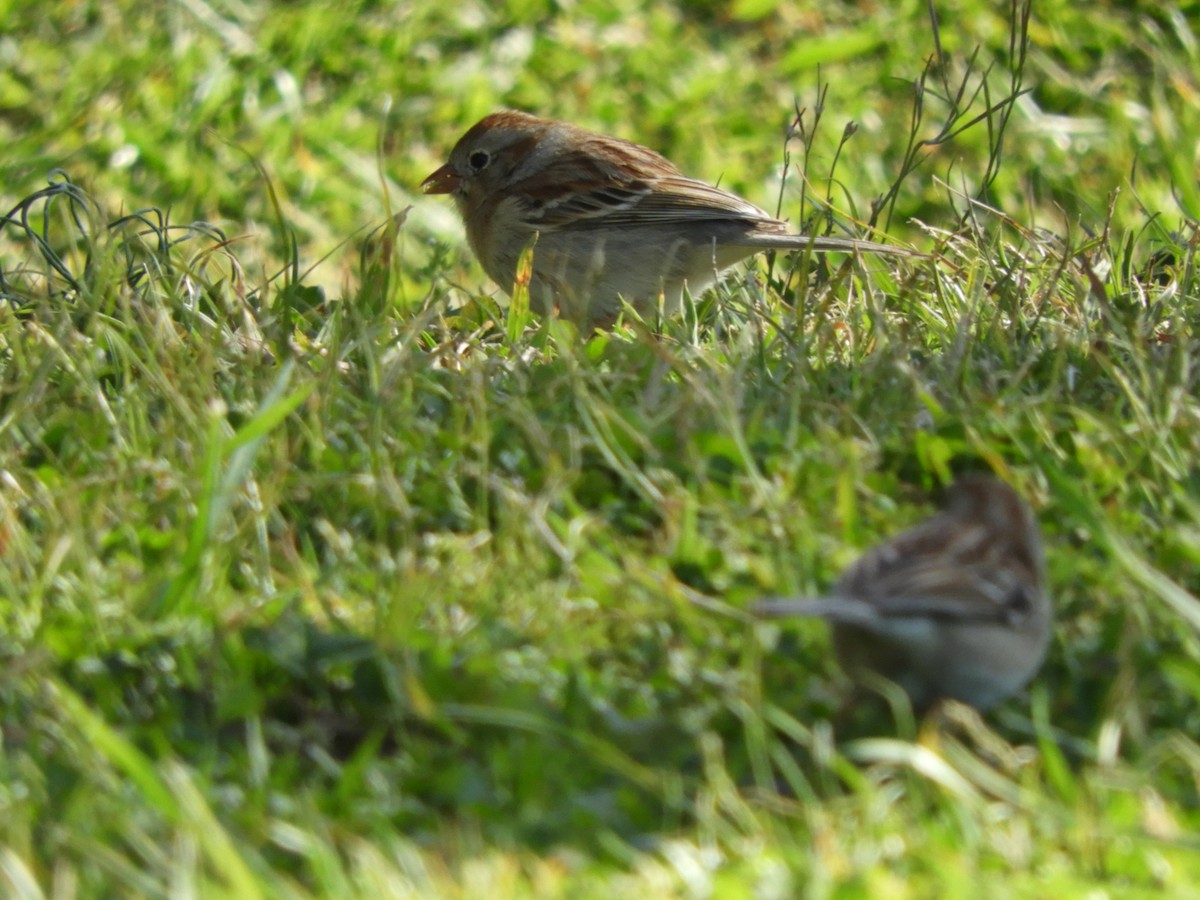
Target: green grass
x=319 y=579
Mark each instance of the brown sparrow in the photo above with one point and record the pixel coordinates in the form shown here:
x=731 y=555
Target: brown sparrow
x=954 y=607
x=611 y=219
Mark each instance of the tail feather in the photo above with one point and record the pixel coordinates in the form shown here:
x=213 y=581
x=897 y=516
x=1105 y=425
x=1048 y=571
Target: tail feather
x=819 y=244
x=835 y=609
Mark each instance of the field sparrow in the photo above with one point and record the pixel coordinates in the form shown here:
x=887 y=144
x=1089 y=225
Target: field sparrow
x=611 y=219
x=953 y=607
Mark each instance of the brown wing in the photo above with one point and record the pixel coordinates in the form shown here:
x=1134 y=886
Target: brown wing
x=979 y=559
x=619 y=184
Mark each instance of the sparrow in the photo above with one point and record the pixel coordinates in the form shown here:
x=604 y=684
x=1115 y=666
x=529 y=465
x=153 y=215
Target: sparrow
x=607 y=220
x=953 y=608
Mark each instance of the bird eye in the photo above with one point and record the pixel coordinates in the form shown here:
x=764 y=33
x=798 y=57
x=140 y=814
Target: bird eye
x=479 y=160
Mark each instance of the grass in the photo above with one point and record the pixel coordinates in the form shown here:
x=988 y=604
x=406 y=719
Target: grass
x=323 y=578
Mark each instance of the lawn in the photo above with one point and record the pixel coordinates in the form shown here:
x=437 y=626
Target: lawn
x=323 y=576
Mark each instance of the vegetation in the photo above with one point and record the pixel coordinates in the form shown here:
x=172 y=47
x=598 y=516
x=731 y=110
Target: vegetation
x=323 y=576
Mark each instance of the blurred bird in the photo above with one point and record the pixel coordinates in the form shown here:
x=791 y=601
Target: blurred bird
x=954 y=607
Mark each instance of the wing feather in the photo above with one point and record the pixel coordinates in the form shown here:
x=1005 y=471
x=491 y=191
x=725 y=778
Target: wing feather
x=621 y=185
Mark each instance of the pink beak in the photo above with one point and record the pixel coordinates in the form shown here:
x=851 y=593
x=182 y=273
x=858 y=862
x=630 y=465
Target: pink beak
x=444 y=181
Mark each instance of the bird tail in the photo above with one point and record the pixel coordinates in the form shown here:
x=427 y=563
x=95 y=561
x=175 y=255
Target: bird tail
x=835 y=609
x=818 y=244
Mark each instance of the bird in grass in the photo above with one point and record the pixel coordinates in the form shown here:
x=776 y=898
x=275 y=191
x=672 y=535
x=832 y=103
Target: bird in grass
x=953 y=608
x=607 y=220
